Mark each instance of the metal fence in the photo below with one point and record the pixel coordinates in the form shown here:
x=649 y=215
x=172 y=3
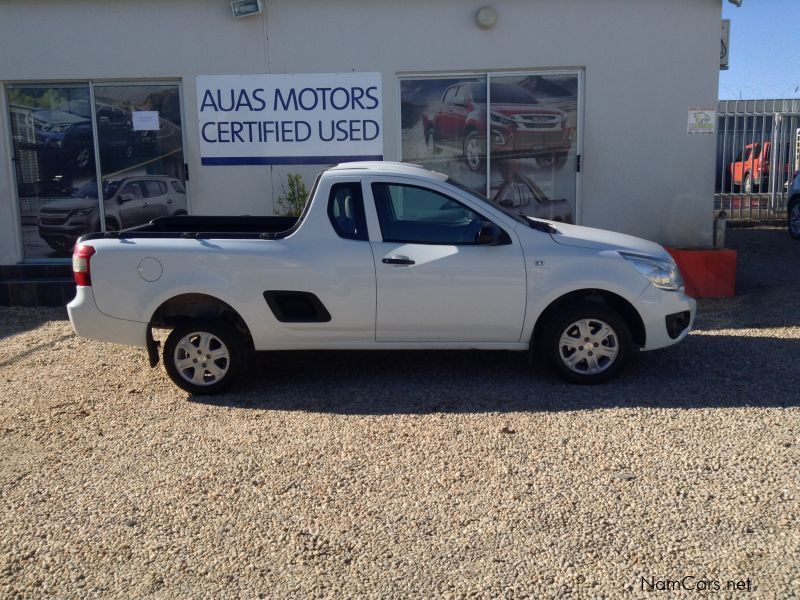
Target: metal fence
x=758 y=152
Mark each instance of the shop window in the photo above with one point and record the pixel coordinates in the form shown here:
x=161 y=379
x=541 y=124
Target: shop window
x=54 y=136
x=531 y=120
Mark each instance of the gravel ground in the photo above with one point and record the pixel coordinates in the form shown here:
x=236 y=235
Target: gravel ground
x=410 y=474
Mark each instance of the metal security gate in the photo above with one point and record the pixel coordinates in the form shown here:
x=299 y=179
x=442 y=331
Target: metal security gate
x=758 y=153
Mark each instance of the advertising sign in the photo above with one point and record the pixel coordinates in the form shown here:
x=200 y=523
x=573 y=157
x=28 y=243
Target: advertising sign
x=290 y=119
x=529 y=163
x=701 y=121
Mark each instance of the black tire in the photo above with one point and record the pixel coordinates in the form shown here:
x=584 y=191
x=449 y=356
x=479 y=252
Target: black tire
x=217 y=373
x=474 y=151
x=431 y=140
x=749 y=187
x=595 y=317
x=793 y=218
x=552 y=161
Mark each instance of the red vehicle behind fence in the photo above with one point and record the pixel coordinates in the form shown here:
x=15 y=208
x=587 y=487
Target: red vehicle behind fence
x=751 y=169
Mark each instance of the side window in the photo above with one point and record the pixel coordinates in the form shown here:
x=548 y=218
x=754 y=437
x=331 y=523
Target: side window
x=460 y=98
x=178 y=187
x=346 y=211
x=152 y=188
x=132 y=189
x=418 y=215
x=448 y=95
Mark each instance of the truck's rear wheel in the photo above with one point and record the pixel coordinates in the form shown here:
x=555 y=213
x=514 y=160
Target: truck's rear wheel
x=205 y=357
x=588 y=342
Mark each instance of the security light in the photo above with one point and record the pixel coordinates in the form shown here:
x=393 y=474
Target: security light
x=486 y=17
x=245 y=8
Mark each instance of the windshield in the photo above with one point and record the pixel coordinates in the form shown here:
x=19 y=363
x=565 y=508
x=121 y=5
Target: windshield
x=517 y=216
x=503 y=93
x=90 y=190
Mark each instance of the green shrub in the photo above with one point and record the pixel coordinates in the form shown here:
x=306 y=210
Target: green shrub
x=291 y=203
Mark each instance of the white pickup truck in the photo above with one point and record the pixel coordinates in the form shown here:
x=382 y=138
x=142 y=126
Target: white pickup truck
x=385 y=256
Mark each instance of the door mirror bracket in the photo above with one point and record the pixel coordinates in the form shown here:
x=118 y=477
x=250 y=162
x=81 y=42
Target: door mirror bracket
x=492 y=235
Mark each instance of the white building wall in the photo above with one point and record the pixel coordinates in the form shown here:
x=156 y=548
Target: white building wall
x=645 y=62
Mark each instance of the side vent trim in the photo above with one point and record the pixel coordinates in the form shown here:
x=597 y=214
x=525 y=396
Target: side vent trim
x=296 y=307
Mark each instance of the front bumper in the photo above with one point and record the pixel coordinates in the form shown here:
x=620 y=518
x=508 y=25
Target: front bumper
x=508 y=141
x=655 y=306
x=89 y=322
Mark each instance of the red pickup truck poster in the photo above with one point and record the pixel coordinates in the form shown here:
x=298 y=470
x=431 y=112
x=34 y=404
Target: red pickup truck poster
x=510 y=137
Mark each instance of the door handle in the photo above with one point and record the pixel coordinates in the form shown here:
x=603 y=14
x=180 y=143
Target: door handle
x=145 y=205
x=398 y=260
x=169 y=201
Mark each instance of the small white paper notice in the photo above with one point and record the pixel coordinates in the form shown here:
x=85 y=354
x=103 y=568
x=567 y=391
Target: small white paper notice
x=145 y=120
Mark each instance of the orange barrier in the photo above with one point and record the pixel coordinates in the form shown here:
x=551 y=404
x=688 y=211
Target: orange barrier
x=707 y=273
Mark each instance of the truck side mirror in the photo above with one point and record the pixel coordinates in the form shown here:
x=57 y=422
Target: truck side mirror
x=125 y=198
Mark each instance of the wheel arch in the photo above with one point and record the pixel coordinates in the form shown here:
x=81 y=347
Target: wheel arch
x=621 y=305
x=191 y=306
x=110 y=218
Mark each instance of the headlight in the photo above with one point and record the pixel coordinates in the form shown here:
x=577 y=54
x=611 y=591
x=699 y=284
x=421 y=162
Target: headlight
x=662 y=273
x=500 y=118
x=81 y=212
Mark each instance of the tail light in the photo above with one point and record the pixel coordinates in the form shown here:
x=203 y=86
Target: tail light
x=80 y=264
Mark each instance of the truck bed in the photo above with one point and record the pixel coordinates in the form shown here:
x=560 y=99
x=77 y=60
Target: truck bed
x=204 y=227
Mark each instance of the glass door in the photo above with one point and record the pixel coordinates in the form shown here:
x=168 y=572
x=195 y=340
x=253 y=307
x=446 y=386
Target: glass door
x=441 y=126
x=140 y=144
x=66 y=137
x=533 y=125
x=53 y=152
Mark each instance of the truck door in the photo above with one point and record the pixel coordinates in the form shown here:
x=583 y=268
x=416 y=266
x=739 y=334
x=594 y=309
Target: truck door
x=131 y=199
x=157 y=199
x=435 y=283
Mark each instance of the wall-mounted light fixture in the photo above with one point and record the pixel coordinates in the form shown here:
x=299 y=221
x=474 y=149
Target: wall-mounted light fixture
x=486 y=17
x=245 y=8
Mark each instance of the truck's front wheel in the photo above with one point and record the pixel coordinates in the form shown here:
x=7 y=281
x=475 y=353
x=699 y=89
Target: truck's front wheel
x=205 y=357
x=588 y=342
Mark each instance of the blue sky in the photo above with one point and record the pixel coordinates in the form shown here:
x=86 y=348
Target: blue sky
x=764 y=50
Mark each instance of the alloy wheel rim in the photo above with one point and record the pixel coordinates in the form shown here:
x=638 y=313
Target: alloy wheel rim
x=588 y=346
x=473 y=153
x=201 y=358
